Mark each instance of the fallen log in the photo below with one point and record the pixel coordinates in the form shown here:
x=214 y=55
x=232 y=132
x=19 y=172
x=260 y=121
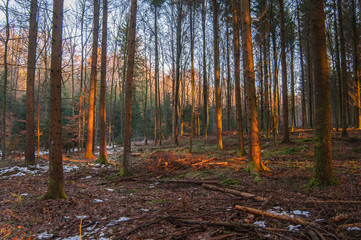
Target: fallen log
x=284 y=217
x=234 y=192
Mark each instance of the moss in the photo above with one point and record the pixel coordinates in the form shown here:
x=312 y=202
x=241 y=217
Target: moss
x=103 y=160
x=55 y=190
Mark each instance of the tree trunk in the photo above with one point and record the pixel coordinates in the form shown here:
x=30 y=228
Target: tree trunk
x=237 y=76
x=322 y=174
x=33 y=30
x=248 y=65
x=156 y=78
x=129 y=91
x=229 y=103
x=178 y=55
x=343 y=70
x=217 y=83
x=286 y=133
x=93 y=80
x=56 y=176
x=205 y=81
x=356 y=67
x=102 y=159
x=192 y=73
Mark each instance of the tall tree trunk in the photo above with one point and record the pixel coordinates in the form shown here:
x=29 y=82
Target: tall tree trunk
x=356 y=67
x=93 y=80
x=156 y=78
x=33 y=30
x=286 y=133
x=103 y=85
x=129 y=91
x=192 y=73
x=229 y=103
x=217 y=82
x=56 y=175
x=178 y=55
x=205 y=81
x=5 y=76
x=322 y=174
x=343 y=70
x=303 y=96
x=237 y=76
x=266 y=85
x=248 y=65
x=293 y=105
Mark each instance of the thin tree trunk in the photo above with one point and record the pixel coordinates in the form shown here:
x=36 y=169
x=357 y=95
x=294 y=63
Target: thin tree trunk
x=237 y=76
x=229 y=111
x=129 y=91
x=217 y=83
x=192 y=73
x=205 y=81
x=103 y=85
x=33 y=30
x=286 y=133
x=343 y=70
x=92 y=89
x=56 y=176
x=156 y=78
x=179 y=51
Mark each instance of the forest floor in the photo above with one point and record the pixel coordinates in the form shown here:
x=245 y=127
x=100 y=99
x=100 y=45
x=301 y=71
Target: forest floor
x=177 y=195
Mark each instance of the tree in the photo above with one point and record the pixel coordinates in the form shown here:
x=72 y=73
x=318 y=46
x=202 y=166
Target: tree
x=93 y=79
x=322 y=174
x=103 y=84
x=237 y=76
x=343 y=70
x=177 y=72
x=205 y=81
x=217 y=83
x=129 y=91
x=192 y=72
x=286 y=133
x=33 y=30
x=56 y=176
x=248 y=65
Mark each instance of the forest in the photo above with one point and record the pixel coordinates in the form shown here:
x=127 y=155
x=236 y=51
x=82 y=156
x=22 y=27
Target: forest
x=180 y=119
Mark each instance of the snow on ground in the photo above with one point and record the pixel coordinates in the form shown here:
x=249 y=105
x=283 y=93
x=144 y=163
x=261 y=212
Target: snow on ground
x=17 y=171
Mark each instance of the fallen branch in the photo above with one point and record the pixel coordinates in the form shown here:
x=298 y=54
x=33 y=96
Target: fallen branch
x=224 y=224
x=234 y=192
x=283 y=217
x=341 y=217
x=352 y=225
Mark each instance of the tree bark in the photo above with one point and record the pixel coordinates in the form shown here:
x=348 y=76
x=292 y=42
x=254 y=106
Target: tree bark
x=303 y=98
x=237 y=76
x=205 y=81
x=56 y=176
x=129 y=91
x=217 y=82
x=33 y=30
x=102 y=159
x=178 y=55
x=192 y=74
x=248 y=65
x=286 y=133
x=322 y=174
x=93 y=78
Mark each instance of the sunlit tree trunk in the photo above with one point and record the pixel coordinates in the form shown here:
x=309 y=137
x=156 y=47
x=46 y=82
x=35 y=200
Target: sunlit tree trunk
x=93 y=78
x=156 y=77
x=248 y=65
x=237 y=76
x=33 y=30
x=343 y=70
x=229 y=103
x=356 y=67
x=56 y=176
x=103 y=85
x=322 y=174
x=217 y=83
x=286 y=133
x=129 y=91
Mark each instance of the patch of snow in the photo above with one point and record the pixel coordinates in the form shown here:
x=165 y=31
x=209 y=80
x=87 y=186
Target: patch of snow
x=144 y=210
x=84 y=216
x=87 y=177
x=179 y=199
x=297 y=212
x=98 y=200
x=260 y=223
x=66 y=217
x=121 y=219
x=69 y=168
x=353 y=229
x=44 y=235
x=24 y=194
x=293 y=227
x=151 y=186
x=110 y=190
x=320 y=220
